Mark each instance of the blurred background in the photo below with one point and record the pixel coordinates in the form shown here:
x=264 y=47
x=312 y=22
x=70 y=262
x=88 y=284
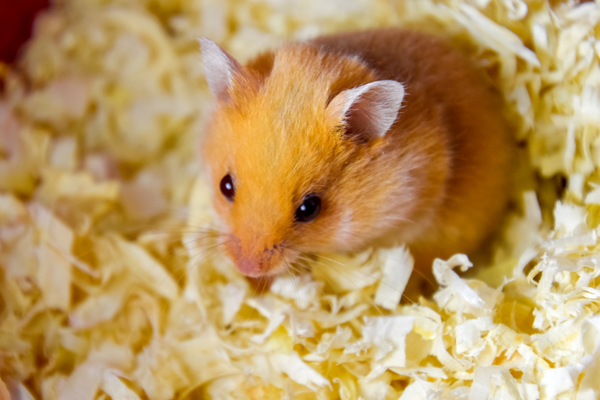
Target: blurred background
x=16 y=20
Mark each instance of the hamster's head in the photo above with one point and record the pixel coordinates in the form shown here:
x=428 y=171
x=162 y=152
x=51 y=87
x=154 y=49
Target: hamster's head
x=279 y=142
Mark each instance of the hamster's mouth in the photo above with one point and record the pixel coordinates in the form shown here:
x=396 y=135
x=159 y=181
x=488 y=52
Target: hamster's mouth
x=252 y=272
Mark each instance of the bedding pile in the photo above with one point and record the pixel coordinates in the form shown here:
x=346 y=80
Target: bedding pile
x=113 y=284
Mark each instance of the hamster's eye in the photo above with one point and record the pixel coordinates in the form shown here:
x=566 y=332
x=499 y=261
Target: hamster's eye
x=309 y=209
x=227 y=187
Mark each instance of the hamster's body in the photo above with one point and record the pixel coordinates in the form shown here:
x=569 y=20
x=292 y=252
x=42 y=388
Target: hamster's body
x=321 y=119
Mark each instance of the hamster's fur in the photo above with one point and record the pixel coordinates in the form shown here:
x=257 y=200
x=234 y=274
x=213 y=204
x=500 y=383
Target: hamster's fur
x=395 y=131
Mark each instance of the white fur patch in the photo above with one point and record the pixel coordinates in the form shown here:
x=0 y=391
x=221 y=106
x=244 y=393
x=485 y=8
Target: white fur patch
x=345 y=231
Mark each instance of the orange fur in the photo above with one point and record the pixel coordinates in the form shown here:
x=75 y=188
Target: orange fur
x=437 y=180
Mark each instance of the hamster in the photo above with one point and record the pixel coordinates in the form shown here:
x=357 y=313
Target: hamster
x=351 y=141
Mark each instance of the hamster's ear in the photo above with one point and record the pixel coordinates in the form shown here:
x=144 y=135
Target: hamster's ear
x=220 y=68
x=368 y=110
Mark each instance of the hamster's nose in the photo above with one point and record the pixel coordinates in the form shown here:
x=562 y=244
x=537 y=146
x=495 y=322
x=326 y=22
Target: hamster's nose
x=250 y=267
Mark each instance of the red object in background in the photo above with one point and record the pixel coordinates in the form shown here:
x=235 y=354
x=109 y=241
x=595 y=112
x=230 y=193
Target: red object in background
x=16 y=20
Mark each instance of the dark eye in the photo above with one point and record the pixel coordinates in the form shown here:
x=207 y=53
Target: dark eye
x=309 y=209
x=227 y=187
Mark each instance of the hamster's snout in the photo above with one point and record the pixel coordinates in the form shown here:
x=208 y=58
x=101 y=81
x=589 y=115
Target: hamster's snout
x=256 y=261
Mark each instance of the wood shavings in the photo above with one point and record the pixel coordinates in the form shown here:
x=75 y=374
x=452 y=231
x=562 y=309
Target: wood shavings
x=397 y=268
x=113 y=284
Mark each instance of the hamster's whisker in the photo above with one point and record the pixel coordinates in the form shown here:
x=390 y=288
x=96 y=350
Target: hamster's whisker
x=172 y=224
x=306 y=257
x=380 y=280
x=196 y=239
x=293 y=282
x=183 y=248
x=203 y=250
x=175 y=212
x=180 y=232
x=355 y=285
x=171 y=252
x=172 y=229
x=176 y=278
x=211 y=247
x=349 y=280
x=196 y=259
x=263 y=288
x=327 y=280
x=354 y=270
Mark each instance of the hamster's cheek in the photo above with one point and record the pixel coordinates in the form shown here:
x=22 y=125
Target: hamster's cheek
x=345 y=229
x=316 y=239
x=223 y=213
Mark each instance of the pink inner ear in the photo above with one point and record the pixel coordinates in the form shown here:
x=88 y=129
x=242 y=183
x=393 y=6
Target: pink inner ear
x=369 y=110
x=220 y=68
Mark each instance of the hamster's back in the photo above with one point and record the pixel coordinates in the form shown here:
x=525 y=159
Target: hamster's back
x=443 y=85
